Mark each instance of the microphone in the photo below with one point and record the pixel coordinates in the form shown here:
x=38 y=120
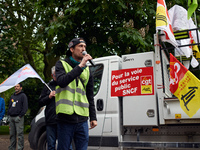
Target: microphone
x=92 y=63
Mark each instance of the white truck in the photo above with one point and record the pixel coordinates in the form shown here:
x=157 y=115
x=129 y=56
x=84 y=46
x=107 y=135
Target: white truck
x=135 y=108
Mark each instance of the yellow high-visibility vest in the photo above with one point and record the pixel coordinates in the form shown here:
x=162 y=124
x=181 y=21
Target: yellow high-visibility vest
x=72 y=98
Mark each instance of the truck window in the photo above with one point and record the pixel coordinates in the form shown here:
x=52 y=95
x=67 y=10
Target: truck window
x=97 y=72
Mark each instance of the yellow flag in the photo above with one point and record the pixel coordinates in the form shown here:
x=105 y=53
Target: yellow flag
x=163 y=23
x=195 y=50
x=185 y=86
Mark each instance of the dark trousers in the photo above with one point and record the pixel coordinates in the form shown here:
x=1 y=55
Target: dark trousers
x=79 y=132
x=51 y=136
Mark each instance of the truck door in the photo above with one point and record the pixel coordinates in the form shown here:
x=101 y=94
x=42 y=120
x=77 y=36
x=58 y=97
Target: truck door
x=100 y=92
x=107 y=131
x=141 y=108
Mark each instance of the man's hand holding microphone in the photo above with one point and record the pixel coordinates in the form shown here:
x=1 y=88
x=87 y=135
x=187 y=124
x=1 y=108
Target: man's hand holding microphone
x=86 y=57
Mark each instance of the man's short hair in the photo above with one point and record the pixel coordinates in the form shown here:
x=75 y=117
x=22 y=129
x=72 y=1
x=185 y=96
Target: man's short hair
x=53 y=69
x=20 y=84
x=73 y=43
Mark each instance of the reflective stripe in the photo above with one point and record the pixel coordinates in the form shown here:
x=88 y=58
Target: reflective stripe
x=78 y=90
x=64 y=89
x=81 y=104
x=64 y=101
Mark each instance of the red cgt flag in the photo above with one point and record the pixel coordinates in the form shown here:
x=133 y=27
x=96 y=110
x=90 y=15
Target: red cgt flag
x=185 y=86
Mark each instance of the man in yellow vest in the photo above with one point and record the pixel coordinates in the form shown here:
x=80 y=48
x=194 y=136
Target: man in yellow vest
x=74 y=97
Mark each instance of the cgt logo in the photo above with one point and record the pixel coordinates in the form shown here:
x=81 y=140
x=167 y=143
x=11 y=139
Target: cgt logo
x=146 y=85
x=146 y=80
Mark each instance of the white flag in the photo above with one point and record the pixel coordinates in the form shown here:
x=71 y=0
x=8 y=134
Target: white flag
x=178 y=17
x=20 y=75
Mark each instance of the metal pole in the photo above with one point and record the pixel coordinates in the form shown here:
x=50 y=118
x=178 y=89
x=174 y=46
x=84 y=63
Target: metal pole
x=48 y=87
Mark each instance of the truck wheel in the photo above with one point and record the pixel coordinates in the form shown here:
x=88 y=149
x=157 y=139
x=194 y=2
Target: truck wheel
x=42 y=145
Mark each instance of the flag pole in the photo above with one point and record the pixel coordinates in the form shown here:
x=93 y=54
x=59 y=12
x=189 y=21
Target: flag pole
x=195 y=18
x=48 y=87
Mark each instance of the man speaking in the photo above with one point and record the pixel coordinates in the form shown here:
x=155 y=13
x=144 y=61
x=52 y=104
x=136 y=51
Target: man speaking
x=74 y=97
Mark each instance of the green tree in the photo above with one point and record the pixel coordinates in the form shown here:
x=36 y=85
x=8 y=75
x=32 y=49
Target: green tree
x=23 y=23
x=23 y=41
x=109 y=27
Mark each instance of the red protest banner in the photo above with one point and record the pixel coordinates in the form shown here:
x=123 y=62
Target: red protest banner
x=185 y=86
x=132 y=82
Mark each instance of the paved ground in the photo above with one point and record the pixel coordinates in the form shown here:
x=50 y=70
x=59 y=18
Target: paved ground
x=5 y=141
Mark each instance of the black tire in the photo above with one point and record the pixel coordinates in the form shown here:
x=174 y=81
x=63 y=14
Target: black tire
x=42 y=142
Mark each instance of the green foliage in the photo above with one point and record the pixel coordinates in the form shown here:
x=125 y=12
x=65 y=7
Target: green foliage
x=8 y=53
x=111 y=27
x=32 y=88
x=4 y=130
x=22 y=23
x=27 y=129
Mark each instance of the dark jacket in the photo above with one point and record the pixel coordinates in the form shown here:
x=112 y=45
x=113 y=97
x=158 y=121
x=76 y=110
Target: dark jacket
x=63 y=79
x=18 y=105
x=50 y=110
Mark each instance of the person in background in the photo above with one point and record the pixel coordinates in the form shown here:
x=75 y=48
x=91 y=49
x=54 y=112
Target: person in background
x=47 y=98
x=18 y=106
x=74 y=97
x=2 y=109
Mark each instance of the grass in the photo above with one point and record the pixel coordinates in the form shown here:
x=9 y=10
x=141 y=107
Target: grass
x=4 y=130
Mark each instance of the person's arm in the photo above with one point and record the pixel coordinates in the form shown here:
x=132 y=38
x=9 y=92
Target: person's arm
x=90 y=97
x=63 y=78
x=44 y=97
